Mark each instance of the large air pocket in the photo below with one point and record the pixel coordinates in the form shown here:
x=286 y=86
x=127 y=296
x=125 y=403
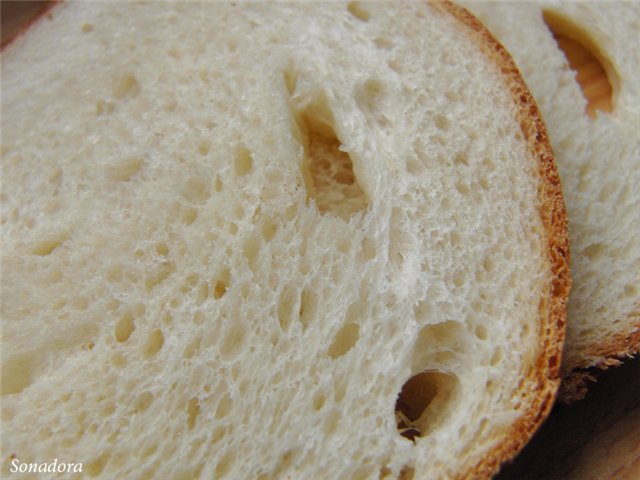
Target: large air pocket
x=327 y=167
x=594 y=73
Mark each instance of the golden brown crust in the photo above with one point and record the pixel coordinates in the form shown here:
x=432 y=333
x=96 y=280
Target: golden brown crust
x=598 y=358
x=546 y=374
x=18 y=17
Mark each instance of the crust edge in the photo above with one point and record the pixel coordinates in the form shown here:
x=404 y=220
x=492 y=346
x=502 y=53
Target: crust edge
x=546 y=375
x=36 y=14
x=599 y=358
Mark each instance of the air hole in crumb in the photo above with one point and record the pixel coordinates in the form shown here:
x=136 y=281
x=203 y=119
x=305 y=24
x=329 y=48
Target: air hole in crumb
x=358 y=10
x=308 y=307
x=233 y=342
x=202 y=293
x=119 y=360
x=287 y=304
x=421 y=401
x=395 y=65
x=162 y=249
x=400 y=238
x=423 y=312
x=344 y=340
x=221 y=284
x=251 y=248
x=327 y=169
x=204 y=147
x=43 y=248
x=594 y=72
x=461 y=159
x=290 y=80
x=268 y=229
x=224 y=407
x=383 y=43
x=159 y=274
x=242 y=163
x=462 y=187
x=593 y=251
x=126 y=87
x=189 y=215
x=481 y=332
x=124 y=170
x=196 y=190
x=95 y=467
x=218 y=434
x=17 y=373
x=384 y=473
x=369 y=97
x=154 y=343
x=189 y=283
x=368 y=249
x=191 y=348
x=331 y=421
x=193 y=409
x=442 y=122
x=318 y=401
x=407 y=473
x=143 y=402
x=224 y=465
x=459 y=278
x=124 y=328
x=497 y=357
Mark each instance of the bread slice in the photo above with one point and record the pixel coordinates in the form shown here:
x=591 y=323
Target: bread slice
x=275 y=240
x=593 y=119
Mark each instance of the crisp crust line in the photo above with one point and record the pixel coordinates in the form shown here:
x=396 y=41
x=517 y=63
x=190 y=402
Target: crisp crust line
x=597 y=358
x=41 y=13
x=546 y=374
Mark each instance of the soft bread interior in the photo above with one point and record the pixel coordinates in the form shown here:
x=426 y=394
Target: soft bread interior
x=265 y=242
x=593 y=119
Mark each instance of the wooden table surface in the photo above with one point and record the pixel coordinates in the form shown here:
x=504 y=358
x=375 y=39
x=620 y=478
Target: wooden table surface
x=597 y=438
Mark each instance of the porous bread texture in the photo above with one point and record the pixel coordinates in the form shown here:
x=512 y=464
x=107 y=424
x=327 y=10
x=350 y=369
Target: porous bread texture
x=599 y=164
x=230 y=242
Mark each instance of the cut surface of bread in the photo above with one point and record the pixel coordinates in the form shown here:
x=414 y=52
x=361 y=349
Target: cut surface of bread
x=275 y=240
x=583 y=72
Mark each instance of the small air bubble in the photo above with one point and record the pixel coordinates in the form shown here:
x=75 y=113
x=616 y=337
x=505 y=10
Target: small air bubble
x=318 y=401
x=154 y=343
x=481 y=332
x=124 y=328
x=442 y=122
x=221 y=285
x=203 y=147
x=243 y=163
x=233 y=342
x=126 y=87
x=162 y=249
x=224 y=407
x=344 y=340
x=358 y=11
x=497 y=356
x=383 y=43
x=193 y=409
x=143 y=402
